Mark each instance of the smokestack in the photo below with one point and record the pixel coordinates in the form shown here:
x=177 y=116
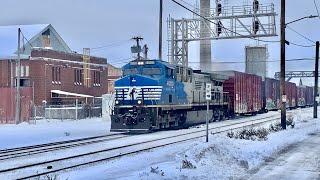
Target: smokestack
x=205 y=45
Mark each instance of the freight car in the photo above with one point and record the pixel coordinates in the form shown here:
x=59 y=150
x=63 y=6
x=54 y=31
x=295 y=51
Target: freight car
x=271 y=94
x=291 y=92
x=153 y=95
x=301 y=95
x=309 y=96
x=244 y=92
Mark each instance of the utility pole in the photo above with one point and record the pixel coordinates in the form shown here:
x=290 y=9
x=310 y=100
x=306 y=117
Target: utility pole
x=160 y=30
x=316 y=78
x=18 y=73
x=283 y=65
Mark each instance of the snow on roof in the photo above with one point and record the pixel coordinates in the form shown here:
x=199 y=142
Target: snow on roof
x=70 y=94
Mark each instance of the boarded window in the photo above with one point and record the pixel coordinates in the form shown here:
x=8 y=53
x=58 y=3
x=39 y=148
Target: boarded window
x=78 y=79
x=96 y=78
x=56 y=74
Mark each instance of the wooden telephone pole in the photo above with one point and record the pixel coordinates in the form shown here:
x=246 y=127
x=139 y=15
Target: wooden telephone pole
x=316 y=83
x=283 y=65
x=18 y=70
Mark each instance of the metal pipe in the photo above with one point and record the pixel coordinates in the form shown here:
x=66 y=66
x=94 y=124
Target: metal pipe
x=160 y=29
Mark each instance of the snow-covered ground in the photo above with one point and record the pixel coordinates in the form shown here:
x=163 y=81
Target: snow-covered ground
x=221 y=158
x=45 y=131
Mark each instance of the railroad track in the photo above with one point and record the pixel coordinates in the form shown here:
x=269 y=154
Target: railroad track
x=66 y=163
x=7 y=154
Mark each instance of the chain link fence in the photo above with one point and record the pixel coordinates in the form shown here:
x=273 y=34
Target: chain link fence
x=80 y=111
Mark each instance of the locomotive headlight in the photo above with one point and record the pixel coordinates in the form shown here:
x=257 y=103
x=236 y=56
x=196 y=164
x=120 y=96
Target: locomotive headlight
x=139 y=102
x=117 y=102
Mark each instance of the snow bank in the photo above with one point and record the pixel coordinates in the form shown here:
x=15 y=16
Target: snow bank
x=221 y=158
x=226 y=158
x=45 y=131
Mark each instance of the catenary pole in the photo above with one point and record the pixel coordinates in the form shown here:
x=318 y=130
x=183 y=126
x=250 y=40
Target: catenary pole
x=283 y=65
x=316 y=78
x=18 y=74
x=160 y=29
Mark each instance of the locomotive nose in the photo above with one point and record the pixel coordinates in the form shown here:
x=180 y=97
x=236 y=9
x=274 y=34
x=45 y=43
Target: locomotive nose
x=129 y=120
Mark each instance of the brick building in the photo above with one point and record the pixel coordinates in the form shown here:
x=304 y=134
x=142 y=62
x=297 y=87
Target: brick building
x=113 y=74
x=58 y=75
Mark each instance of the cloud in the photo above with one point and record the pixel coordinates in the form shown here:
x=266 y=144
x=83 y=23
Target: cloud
x=96 y=23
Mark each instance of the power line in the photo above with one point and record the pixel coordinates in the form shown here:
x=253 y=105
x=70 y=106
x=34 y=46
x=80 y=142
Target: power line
x=301 y=45
x=24 y=37
x=300 y=34
x=188 y=9
x=121 y=61
x=316 y=5
x=237 y=62
x=110 y=45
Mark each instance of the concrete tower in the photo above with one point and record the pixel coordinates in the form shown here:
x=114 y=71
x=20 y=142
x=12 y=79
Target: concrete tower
x=205 y=45
x=256 y=60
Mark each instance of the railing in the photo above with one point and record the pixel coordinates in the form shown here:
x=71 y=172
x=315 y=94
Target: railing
x=237 y=10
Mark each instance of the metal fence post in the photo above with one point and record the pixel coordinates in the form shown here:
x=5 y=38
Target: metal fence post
x=76 y=109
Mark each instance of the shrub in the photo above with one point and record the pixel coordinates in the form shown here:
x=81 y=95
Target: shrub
x=187 y=165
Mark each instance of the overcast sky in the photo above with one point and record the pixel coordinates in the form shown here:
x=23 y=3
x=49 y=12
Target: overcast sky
x=96 y=23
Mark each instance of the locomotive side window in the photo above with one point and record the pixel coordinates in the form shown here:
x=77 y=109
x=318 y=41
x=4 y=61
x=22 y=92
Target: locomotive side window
x=170 y=73
x=170 y=98
x=177 y=70
x=181 y=70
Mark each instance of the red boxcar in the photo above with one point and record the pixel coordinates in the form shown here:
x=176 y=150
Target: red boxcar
x=309 y=96
x=8 y=104
x=301 y=96
x=244 y=91
x=271 y=94
x=291 y=92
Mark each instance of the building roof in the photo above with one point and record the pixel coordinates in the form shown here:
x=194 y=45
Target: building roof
x=68 y=94
x=33 y=39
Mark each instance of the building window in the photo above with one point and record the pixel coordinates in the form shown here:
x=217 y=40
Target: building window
x=24 y=71
x=78 y=79
x=27 y=71
x=56 y=75
x=96 y=78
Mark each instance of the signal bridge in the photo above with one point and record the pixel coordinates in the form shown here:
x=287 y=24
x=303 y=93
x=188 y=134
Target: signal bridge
x=231 y=22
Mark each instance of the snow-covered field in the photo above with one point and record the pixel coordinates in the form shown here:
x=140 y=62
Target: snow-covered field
x=45 y=131
x=221 y=158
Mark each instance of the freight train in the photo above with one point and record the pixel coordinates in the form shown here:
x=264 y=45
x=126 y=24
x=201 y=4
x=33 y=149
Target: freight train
x=154 y=95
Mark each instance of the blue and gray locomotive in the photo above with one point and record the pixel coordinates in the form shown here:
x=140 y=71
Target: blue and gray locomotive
x=153 y=95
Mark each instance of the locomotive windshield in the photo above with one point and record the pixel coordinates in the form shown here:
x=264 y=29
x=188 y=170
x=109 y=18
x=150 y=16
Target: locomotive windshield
x=143 y=71
x=151 y=71
x=130 y=71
